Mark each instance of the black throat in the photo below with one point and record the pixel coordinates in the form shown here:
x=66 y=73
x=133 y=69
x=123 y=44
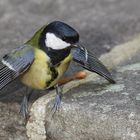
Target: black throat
x=56 y=56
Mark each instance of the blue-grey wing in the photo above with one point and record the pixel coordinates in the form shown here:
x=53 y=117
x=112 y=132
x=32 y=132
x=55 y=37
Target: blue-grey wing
x=88 y=61
x=15 y=63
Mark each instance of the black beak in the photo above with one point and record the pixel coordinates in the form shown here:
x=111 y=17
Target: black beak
x=89 y=61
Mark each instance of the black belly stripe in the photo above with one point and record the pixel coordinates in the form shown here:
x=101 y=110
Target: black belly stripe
x=58 y=55
x=53 y=76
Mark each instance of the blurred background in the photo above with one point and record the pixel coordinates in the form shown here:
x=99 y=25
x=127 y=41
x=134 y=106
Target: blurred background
x=101 y=23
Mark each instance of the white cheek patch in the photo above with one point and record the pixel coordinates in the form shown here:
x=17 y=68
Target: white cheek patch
x=54 y=42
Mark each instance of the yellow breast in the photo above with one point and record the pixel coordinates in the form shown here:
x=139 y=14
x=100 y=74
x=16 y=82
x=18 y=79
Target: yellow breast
x=39 y=72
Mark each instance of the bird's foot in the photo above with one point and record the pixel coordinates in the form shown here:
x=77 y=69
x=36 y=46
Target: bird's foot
x=57 y=102
x=24 y=108
x=24 y=104
x=58 y=98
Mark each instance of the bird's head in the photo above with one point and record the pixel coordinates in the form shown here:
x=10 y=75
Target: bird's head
x=57 y=39
x=58 y=36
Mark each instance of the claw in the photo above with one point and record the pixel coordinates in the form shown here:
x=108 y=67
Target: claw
x=57 y=101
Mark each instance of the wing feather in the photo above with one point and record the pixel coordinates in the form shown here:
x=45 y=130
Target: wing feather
x=15 y=63
x=88 y=61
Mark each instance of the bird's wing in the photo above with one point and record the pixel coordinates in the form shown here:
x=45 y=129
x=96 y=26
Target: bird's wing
x=88 y=61
x=15 y=63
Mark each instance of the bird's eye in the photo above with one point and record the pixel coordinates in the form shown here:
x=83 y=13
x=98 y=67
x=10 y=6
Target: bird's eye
x=64 y=38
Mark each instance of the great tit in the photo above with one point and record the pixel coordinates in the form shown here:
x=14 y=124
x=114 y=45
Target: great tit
x=41 y=61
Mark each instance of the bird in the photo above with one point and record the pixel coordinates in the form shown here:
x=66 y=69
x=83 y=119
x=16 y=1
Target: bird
x=41 y=61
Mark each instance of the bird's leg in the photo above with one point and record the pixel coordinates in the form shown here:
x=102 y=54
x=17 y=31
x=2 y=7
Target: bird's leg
x=59 y=87
x=58 y=98
x=24 y=104
x=76 y=76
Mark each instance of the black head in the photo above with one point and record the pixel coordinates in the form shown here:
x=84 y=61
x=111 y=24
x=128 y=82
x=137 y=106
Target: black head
x=63 y=31
x=58 y=35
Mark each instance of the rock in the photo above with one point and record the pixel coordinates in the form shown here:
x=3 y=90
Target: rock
x=12 y=123
x=93 y=108
x=97 y=110
x=122 y=54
